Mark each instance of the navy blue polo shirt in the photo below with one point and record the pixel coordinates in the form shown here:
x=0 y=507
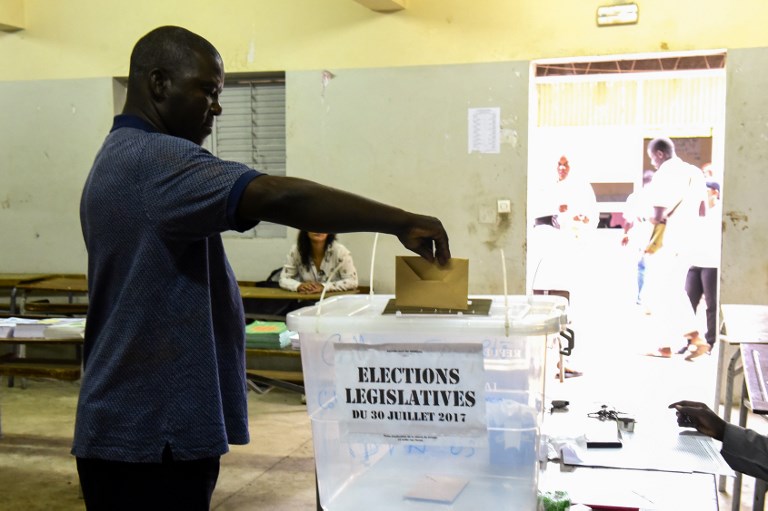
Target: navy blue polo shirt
x=164 y=344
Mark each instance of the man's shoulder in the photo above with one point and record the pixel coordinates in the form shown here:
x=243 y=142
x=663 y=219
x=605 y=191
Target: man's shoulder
x=681 y=164
x=153 y=139
x=696 y=173
x=676 y=169
x=691 y=166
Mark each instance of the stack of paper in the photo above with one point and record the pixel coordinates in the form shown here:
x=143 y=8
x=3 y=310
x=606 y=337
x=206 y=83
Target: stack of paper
x=29 y=329
x=21 y=327
x=64 y=328
x=48 y=328
x=6 y=328
x=295 y=341
x=267 y=334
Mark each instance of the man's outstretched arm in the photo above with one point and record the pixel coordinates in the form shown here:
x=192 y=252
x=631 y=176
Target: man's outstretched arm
x=310 y=206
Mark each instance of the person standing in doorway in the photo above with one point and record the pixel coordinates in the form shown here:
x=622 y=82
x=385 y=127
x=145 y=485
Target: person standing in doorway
x=677 y=195
x=637 y=229
x=577 y=216
x=702 y=279
x=577 y=204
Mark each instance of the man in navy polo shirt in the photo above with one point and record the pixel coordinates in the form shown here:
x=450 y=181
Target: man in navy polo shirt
x=163 y=391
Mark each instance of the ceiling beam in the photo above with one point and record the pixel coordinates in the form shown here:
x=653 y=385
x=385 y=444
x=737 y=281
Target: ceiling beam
x=12 y=15
x=383 y=5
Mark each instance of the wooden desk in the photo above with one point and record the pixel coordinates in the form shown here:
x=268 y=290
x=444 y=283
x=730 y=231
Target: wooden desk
x=12 y=280
x=274 y=303
x=754 y=360
x=744 y=324
x=58 y=284
x=290 y=379
x=276 y=293
x=286 y=378
x=754 y=396
x=16 y=364
x=71 y=341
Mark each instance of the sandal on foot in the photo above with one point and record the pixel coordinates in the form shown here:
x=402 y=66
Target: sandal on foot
x=661 y=353
x=569 y=373
x=697 y=350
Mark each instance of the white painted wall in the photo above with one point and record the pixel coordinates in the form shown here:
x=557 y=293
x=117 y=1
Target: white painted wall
x=51 y=130
x=397 y=135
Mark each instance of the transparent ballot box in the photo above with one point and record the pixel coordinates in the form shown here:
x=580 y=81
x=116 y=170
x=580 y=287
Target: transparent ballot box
x=421 y=411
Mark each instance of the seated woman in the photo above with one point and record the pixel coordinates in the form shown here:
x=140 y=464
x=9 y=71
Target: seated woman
x=311 y=261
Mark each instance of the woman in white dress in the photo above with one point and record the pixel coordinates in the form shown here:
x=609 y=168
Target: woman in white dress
x=317 y=259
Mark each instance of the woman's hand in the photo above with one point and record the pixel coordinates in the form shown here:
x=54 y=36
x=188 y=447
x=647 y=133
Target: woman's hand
x=310 y=287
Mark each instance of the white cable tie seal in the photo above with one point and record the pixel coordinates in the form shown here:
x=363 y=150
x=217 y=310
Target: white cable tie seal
x=322 y=295
x=506 y=299
x=373 y=260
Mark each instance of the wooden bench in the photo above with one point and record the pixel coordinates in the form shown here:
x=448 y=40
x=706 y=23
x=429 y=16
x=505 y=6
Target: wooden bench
x=40 y=368
x=289 y=379
x=17 y=364
x=292 y=376
x=9 y=281
x=65 y=284
x=58 y=309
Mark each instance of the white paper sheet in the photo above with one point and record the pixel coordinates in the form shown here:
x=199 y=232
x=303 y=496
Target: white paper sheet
x=685 y=452
x=484 y=130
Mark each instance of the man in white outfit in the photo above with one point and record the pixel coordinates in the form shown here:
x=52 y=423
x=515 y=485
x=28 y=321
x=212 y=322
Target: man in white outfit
x=678 y=196
x=577 y=206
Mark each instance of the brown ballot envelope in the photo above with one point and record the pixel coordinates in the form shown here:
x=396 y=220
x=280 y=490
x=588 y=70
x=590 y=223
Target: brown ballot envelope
x=419 y=283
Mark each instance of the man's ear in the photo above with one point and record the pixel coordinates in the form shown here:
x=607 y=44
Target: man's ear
x=159 y=82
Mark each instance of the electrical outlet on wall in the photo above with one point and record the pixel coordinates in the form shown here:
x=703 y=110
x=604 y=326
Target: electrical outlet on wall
x=504 y=206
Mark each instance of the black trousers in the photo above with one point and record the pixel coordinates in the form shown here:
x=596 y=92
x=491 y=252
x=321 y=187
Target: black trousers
x=167 y=486
x=703 y=282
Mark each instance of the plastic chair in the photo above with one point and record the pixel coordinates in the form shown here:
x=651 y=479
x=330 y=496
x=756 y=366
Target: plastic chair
x=568 y=335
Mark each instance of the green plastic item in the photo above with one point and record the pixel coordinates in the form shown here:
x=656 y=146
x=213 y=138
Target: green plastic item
x=554 y=501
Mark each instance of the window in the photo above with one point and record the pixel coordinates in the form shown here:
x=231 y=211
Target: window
x=251 y=130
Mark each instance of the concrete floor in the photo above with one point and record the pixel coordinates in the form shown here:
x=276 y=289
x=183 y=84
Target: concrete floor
x=275 y=472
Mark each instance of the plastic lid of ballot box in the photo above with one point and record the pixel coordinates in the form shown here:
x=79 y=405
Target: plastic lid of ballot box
x=413 y=410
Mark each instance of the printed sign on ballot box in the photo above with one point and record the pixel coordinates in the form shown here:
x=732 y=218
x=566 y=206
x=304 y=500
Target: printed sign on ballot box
x=430 y=394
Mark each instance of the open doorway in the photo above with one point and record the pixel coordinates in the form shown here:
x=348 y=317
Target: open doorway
x=601 y=113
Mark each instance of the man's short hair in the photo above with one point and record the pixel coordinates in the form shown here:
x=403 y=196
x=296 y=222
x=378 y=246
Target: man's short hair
x=663 y=144
x=169 y=48
x=713 y=185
